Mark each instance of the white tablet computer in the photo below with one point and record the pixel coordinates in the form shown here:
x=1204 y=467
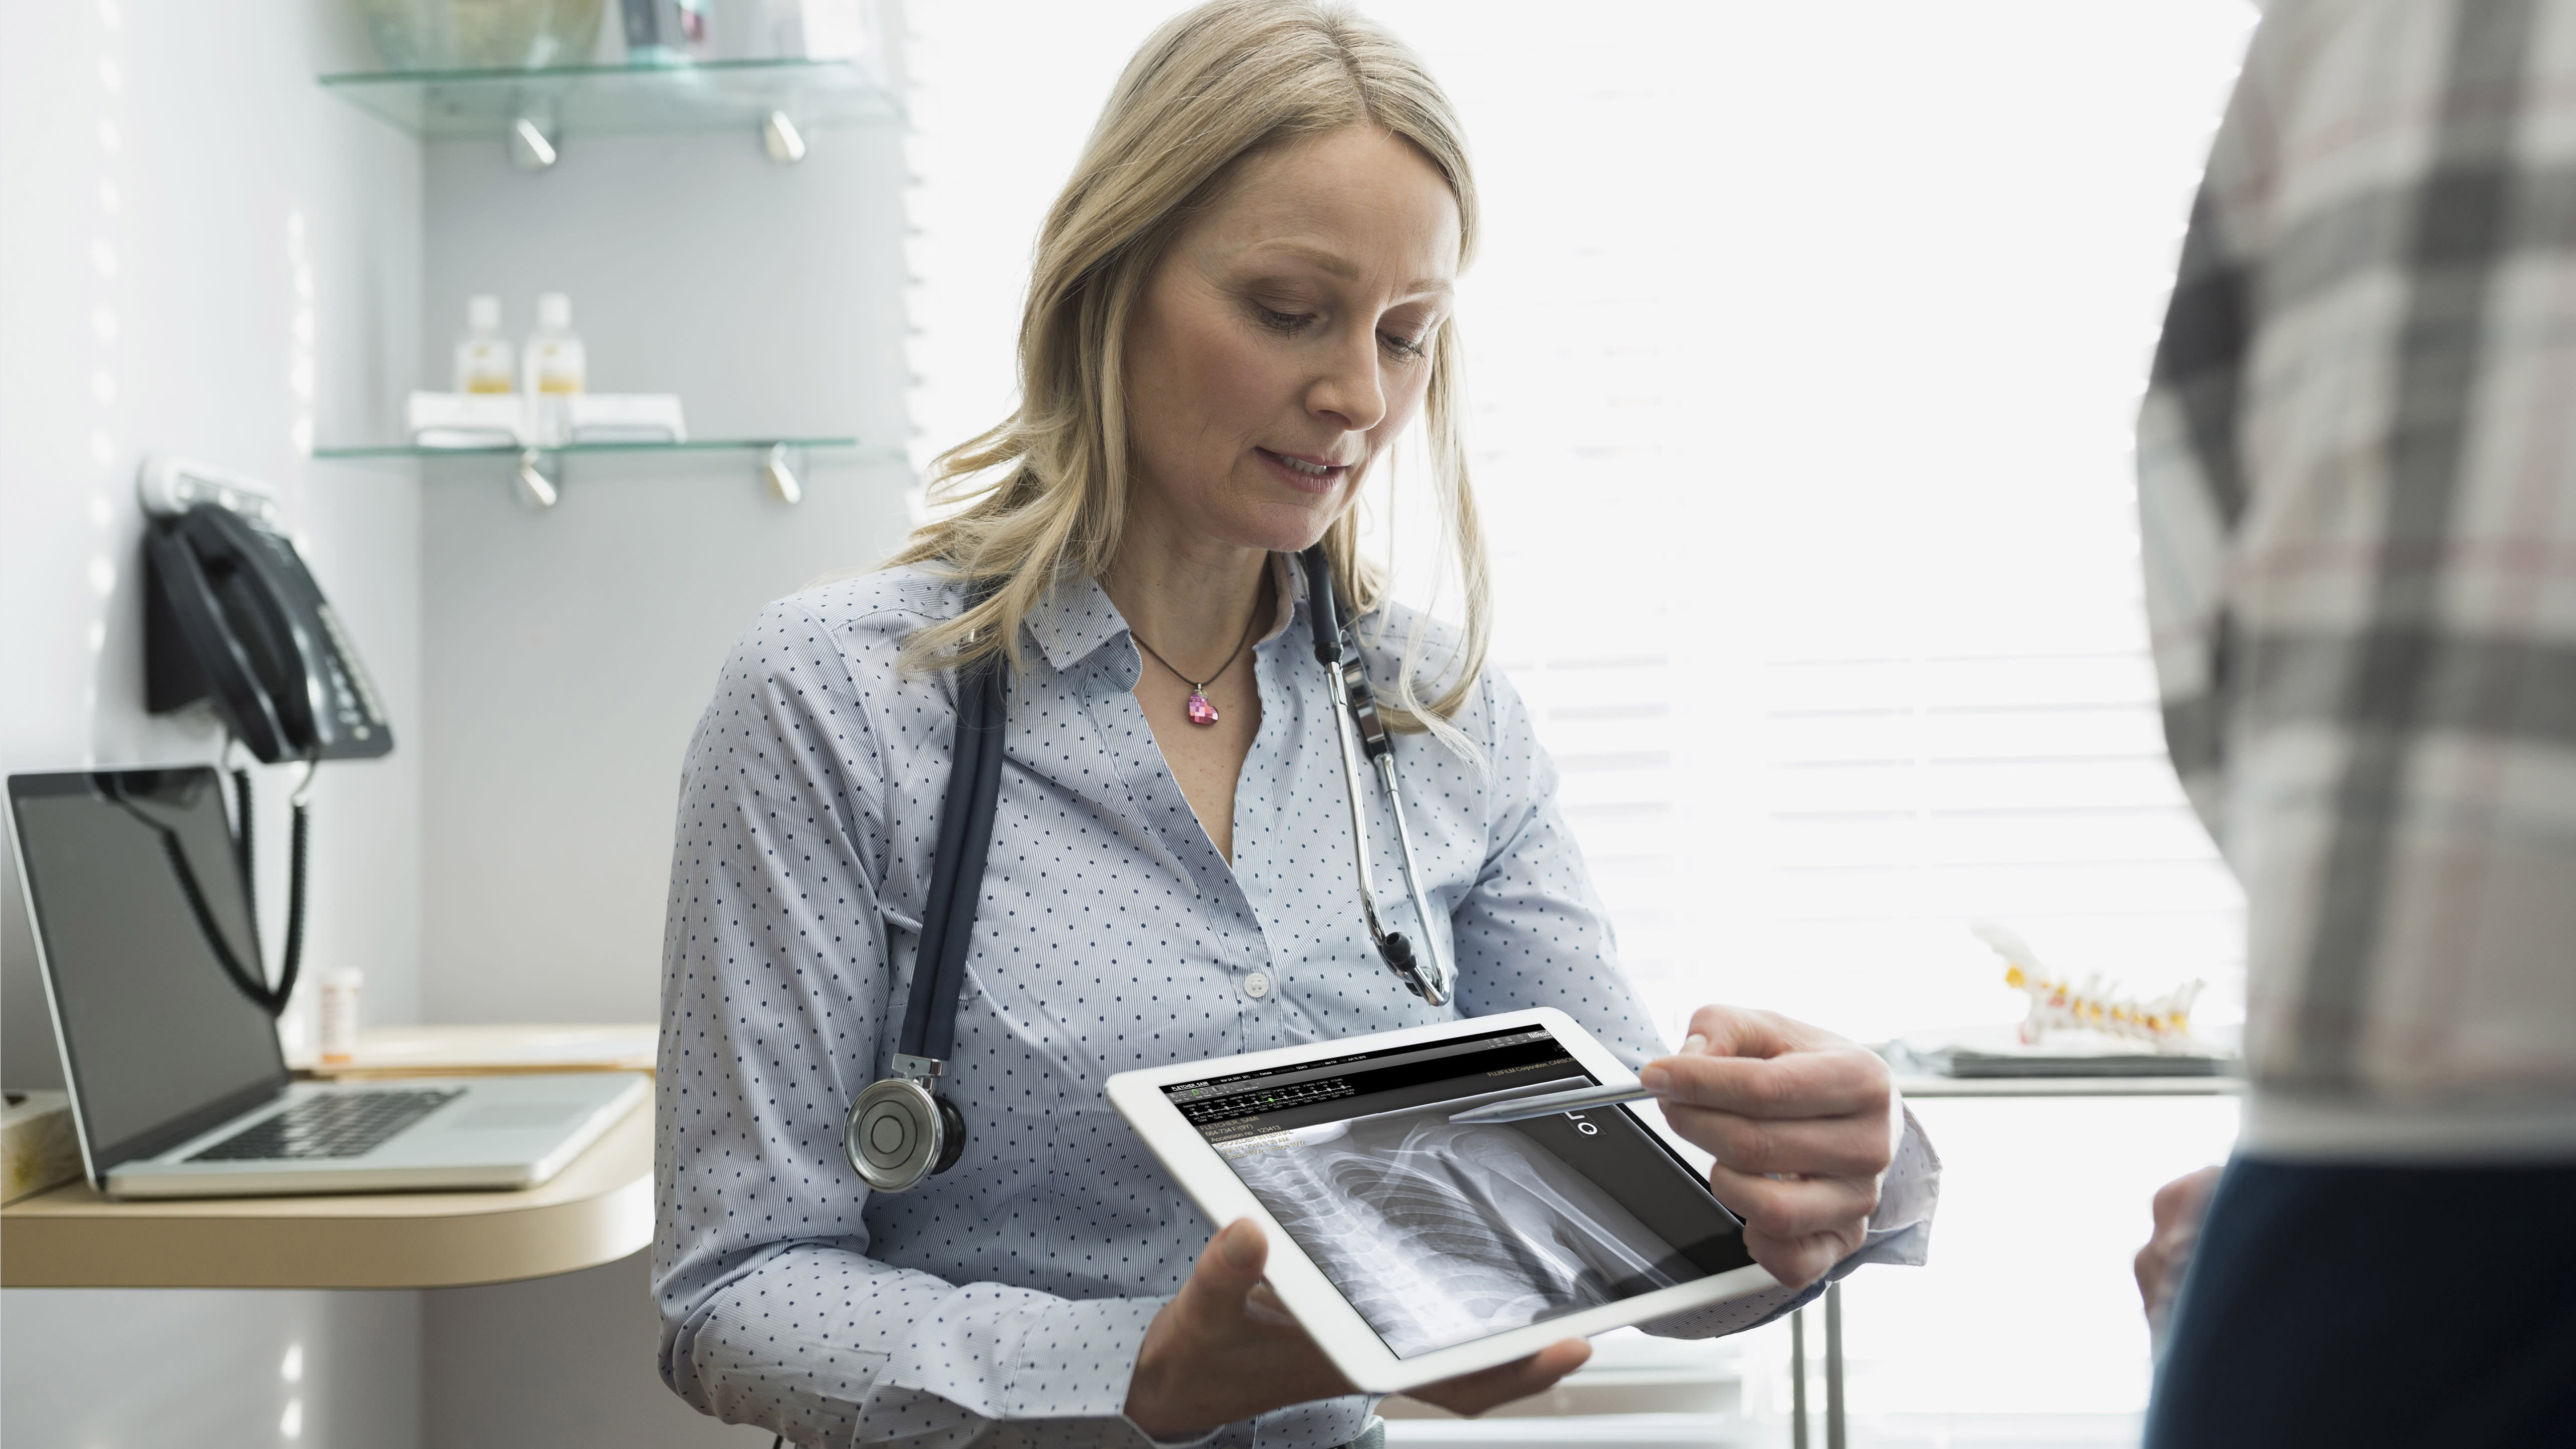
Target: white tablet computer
x=1414 y=1248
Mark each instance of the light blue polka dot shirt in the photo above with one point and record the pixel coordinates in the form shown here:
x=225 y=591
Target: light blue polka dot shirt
x=1003 y=1301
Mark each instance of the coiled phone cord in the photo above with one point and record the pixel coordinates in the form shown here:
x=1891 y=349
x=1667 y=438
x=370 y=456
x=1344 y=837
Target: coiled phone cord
x=242 y=851
x=299 y=838
x=250 y=982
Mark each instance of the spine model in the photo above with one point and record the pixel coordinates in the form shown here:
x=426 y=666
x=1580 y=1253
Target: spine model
x=2057 y=1004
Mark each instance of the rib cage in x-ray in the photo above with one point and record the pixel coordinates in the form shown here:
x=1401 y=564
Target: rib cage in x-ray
x=1439 y=1233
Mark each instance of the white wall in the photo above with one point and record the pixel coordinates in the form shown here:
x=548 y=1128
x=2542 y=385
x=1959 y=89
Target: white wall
x=162 y=233
x=554 y=1363
x=94 y=1369
x=566 y=655
x=543 y=671
x=202 y=253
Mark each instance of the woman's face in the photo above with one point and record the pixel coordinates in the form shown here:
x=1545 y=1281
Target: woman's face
x=1285 y=340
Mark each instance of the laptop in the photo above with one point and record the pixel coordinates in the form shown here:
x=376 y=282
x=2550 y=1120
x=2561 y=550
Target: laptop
x=177 y=1084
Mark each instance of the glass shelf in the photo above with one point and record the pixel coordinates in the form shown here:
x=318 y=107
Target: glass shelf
x=536 y=474
x=602 y=100
x=579 y=450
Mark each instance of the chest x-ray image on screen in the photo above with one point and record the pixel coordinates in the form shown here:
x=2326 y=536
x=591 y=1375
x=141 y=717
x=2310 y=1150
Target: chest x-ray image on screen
x=1442 y=1233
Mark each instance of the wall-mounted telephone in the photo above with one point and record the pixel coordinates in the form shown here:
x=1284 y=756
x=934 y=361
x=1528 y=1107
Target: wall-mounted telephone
x=231 y=616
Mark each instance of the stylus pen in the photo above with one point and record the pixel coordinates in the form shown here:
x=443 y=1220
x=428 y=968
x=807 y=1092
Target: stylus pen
x=1521 y=1109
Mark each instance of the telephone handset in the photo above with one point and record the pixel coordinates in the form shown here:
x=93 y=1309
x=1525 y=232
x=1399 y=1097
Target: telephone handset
x=233 y=617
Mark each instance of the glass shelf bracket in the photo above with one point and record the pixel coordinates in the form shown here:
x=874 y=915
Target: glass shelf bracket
x=536 y=475
x=533 y=111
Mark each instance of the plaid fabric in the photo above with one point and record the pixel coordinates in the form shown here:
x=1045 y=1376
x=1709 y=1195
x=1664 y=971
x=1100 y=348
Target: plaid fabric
x=2357 y=486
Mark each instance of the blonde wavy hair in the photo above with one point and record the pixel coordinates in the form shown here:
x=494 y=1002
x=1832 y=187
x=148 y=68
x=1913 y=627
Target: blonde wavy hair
x=1042 y=497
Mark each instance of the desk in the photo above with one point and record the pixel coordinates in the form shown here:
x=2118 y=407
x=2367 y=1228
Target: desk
x=1913 y=1087
x=597 y=1210
x=1916 y=1088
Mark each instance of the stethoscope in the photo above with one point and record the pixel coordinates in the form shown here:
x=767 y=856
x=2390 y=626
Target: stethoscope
x=901 y=1130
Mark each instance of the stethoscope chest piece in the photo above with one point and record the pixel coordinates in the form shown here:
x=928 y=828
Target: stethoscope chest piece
x=900 y=1132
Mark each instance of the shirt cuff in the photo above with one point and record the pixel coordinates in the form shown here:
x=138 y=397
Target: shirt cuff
x=1075 y=1356
x=1060 y=1379
x=1907 y=1198
x=1057 y=1367
x=1899 y=1232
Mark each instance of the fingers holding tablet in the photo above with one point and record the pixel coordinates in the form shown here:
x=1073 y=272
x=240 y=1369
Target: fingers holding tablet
x=1762 y=1064
x=1224 y=1348
x=1473 y=1394
x=1803 y=1125
x=1762 y=1146
x=1798 y=1229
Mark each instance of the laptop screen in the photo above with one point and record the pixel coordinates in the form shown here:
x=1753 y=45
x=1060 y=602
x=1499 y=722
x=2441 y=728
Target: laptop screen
x=160 y=1044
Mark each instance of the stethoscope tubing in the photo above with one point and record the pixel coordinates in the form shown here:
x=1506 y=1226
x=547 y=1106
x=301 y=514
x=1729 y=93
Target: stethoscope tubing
x=1354 y=792
x=899 y=1130
x=1444 y=976
x=1356 y=727
x=973 y=794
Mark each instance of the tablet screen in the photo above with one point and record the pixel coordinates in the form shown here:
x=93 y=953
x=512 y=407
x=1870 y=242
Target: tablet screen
x=1441 y=1233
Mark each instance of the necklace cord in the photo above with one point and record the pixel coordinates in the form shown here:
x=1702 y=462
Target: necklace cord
x=1200 y=686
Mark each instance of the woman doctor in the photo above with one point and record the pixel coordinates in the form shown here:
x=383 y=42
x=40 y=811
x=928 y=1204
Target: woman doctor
x=1240 y=300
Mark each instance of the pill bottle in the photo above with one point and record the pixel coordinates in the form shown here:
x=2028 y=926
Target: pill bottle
x=339 y=1017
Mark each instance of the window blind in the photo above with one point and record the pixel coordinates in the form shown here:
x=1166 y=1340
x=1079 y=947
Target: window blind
x=1802 y=357
x=1805 y=353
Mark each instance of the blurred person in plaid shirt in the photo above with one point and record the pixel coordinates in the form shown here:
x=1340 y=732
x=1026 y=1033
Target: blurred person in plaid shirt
x=2357 y=489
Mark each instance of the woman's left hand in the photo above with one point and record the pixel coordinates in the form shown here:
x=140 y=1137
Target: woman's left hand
x=1225 y=1349
x=1803 y=1125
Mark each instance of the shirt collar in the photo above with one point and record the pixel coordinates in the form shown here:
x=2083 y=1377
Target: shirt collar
x=1072 y=621
x=1075 y=619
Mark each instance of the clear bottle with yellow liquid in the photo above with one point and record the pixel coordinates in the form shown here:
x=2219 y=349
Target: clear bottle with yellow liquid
x=554 y=367
x=483 y=360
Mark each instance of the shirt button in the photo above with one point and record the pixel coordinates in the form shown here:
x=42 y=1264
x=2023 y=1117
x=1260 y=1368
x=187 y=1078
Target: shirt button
x=1256 y=985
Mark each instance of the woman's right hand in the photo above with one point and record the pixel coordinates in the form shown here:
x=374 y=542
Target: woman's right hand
x=1225 y=1348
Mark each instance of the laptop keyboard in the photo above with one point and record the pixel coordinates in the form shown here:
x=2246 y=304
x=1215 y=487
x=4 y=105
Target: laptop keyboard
x=340 y=1124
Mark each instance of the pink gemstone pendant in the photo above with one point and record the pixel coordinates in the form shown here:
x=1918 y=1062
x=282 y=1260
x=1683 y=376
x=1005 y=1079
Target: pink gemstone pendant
x=1201 y=712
